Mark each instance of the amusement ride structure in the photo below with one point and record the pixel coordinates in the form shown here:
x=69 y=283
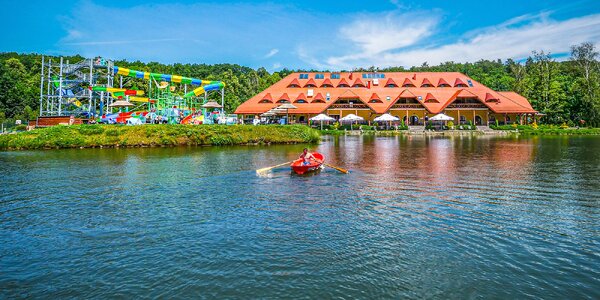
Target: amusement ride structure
x=86 y=89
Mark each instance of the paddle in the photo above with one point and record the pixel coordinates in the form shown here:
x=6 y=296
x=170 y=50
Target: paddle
x=264 y=170
x=339 y=169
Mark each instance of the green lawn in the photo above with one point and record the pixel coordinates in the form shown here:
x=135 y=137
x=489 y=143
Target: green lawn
x=77 y=136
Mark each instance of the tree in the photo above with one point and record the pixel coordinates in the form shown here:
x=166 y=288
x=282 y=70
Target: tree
x=544 y=89
x=14 y=86
x=587 y=84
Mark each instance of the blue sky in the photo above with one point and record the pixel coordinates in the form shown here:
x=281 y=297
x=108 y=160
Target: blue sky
x=300 y=34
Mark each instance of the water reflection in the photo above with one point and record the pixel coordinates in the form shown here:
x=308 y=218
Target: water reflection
x=417 y=217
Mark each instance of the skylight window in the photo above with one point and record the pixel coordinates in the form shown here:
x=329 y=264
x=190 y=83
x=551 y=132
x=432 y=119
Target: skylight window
x=372 y=75
x=319 y=76
x=303 y=76
x=335 y=76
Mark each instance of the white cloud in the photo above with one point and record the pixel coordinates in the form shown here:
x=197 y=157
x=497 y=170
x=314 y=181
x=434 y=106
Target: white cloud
x=272 y=53
x=374 y=35
x=515 y=38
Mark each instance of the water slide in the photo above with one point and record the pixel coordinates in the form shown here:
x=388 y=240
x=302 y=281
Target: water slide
x=205 y=85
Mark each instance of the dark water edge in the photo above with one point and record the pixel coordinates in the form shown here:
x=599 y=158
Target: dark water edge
x=417 y=217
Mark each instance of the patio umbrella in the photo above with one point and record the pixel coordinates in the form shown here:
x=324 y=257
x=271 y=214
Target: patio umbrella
x=211 y=104
x=121 y=103
x=441 y=117
x=277 y=110
x=352 y=118
x=386 y=118
x=321 y=118
x=287 y=107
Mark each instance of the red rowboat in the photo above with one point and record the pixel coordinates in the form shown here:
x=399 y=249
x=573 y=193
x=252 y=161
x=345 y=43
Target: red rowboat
x=300 y=168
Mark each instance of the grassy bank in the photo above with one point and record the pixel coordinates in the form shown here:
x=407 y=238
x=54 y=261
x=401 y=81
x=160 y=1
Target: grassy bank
x=89 y=136
x=548 y=130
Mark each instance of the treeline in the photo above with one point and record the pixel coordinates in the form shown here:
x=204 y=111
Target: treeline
x=566 y=90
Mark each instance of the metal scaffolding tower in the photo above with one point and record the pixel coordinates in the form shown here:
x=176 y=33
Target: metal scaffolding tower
x=64 y=87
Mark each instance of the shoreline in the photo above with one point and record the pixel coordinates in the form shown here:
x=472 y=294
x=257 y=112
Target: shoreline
x=167 y=135
x=542 y=132
x=155 y=136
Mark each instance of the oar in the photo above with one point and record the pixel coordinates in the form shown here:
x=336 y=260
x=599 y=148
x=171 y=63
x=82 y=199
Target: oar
x=263 y=170
x=337 y=168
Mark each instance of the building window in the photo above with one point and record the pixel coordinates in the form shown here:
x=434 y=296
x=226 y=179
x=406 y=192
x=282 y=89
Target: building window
x=303 y=76
x=335 y=76
x=319 y=76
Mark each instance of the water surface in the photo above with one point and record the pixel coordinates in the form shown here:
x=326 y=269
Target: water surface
x=416 y=217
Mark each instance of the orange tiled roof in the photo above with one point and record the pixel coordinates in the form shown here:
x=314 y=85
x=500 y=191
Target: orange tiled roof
x=508 y=102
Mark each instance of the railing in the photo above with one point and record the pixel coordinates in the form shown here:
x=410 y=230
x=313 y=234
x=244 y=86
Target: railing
x=405 y=106
x=353 y=106
x=471 y=105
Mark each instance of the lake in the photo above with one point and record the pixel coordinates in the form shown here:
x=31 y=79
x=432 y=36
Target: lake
x=416 y=217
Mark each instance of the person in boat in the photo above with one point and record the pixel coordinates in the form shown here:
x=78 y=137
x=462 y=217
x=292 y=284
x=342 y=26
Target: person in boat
x=307 y=156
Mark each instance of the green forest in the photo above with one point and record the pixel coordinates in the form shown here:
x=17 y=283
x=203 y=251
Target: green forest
x=566 y=90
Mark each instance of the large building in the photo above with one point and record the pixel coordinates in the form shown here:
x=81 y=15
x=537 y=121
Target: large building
x=412 y=96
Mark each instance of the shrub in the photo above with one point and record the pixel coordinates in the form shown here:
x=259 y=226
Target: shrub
x=21 y=127
x=534 y=125
x=564 y=126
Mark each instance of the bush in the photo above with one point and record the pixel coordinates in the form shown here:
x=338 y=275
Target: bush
x=564 y=126
x=21 y=127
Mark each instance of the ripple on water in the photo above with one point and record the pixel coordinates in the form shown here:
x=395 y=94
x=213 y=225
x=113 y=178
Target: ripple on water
x=417 y=217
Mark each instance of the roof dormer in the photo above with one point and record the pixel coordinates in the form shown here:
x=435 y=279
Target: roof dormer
x=318 y=99
x=343 y=83
x=375 y=99
x=358 y=83
x=326 y=83
x=284 y=98
x=407 y=83
x=390 y=83
x=426 y=83
x=310 y=84
x=459 y=83
x=429 y=98
x=491 y=98
x=442 y=83
x=266 y=99
x=294 y=84
x=301 y=98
